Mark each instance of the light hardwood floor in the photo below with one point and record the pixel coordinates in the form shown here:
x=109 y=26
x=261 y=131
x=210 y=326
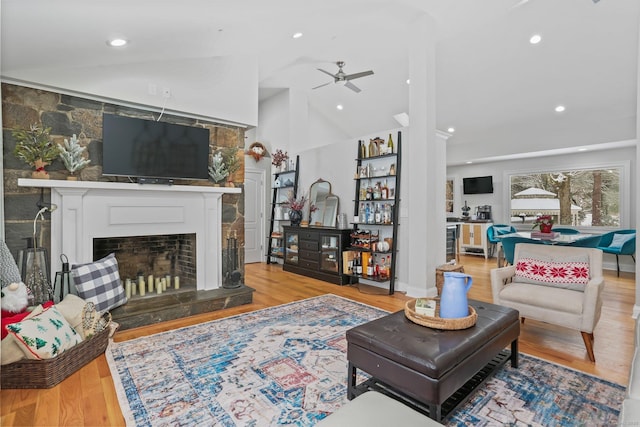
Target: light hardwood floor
x=88 y=397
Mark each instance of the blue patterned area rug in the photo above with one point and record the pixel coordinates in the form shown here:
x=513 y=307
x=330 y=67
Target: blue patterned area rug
x=286 y=365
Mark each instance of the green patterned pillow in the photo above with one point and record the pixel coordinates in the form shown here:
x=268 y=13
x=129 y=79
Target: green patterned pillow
x=44 y=336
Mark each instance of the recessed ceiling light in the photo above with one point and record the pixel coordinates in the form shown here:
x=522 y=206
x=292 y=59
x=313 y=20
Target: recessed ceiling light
x=297 y=35
x=535 y=39
x=408 y=81
x=582 y=149
x=339 y=107
x=451 y=130
x=117 y=42
x=469 y=162
x=560 y=108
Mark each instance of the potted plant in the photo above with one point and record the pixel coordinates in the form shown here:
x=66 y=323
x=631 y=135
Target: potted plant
x=295 y=205
x=72 y=156
x=280 y=160
x=34 y=147
x=218 y=170
x=544 y=222
x=233 y=164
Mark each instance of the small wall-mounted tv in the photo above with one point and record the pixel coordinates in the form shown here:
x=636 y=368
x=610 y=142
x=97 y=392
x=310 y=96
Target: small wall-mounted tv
x=142 y=148
x=477 y=185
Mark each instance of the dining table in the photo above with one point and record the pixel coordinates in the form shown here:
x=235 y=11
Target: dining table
x=559 y=239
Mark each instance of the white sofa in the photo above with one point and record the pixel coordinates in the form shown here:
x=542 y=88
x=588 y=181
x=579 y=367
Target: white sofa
x=630 y=414
x=571 y=308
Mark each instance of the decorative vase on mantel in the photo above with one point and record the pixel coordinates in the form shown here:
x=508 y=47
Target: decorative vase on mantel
x=546 y=228
x=40 y=172
x=295 y=217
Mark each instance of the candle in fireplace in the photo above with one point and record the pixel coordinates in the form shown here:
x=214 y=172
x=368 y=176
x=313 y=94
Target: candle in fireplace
x=176 y=282
x=150 y=283
x=141 y=285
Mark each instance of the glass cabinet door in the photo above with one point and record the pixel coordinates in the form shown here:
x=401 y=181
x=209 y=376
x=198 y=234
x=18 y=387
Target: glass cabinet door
x=330 y=253
x=291 y=250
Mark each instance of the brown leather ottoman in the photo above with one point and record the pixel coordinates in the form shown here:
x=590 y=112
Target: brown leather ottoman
x=426 y=366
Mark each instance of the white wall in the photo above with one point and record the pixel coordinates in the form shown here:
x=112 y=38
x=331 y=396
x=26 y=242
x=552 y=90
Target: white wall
x=499 y=200
x=336 y=163
x=226 y=89
x=273 y=122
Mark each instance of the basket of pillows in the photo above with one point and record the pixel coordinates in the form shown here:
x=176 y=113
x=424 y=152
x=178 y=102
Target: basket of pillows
x=43 y=345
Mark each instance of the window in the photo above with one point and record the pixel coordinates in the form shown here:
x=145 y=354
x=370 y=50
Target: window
x=573 y=197
x=449 y=196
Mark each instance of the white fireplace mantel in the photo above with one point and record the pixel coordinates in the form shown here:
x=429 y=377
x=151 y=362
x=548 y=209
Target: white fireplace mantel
x=90 y=209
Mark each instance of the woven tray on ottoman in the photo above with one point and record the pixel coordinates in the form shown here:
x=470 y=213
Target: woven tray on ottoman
x=50 y=372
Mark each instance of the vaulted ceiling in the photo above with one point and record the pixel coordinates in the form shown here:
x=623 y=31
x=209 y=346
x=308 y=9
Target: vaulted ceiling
x=493 y=86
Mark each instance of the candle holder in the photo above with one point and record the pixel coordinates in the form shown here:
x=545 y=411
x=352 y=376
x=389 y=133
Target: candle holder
x=63 y=280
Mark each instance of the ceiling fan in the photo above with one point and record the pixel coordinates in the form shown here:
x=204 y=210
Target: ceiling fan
x=341 y=76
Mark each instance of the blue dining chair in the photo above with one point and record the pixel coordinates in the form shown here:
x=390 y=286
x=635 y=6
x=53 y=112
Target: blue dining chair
x=509 y=246
x=494 y=231
x=619 y=242
x=565 y=230
x=587 y=242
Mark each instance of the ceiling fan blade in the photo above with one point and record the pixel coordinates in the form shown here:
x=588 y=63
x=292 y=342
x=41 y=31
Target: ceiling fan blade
x=520 y=3
x=326 y=72
x=321 y=85
x=351 y=86
x=357 y=75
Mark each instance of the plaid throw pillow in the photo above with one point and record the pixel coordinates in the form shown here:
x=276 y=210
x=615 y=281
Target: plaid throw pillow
x=99 y=282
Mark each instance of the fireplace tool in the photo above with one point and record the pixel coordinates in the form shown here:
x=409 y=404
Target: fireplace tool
x=232 y=275
x=35 y=269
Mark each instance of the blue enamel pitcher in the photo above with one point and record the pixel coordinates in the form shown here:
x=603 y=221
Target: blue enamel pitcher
x=453 y=301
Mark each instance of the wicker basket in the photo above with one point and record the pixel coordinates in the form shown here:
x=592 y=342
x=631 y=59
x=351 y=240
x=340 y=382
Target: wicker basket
x=445 y=268
x=438 y=322
x=50 y=372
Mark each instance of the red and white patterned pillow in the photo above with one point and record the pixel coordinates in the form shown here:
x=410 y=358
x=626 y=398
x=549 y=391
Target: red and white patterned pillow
x=567 y=273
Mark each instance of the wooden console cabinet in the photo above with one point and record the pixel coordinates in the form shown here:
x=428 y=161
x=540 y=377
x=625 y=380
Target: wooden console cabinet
x=473 y=238
x=316 y=252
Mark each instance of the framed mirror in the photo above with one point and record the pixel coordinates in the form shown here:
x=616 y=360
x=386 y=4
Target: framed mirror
x=318 y=193
x=330 y=210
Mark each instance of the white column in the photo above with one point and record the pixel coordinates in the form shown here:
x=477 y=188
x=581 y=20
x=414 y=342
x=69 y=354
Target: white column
x=67 y=227
x=209 y=249
x=425 y=156
x=636 y=307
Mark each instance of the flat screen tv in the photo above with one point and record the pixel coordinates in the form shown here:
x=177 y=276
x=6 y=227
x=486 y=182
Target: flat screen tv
x=477 y=185
x=148 y=149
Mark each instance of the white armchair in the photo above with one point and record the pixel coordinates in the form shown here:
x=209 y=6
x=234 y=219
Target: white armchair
x=571 y=306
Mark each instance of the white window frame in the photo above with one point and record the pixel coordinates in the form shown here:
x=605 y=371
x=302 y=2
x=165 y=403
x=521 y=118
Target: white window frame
x=625 y=190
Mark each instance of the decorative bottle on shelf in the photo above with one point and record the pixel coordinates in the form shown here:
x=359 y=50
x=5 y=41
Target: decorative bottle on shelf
x=370 y=269
x=377 y=192
x=369 y=195
x=384 y=190
x=377 y=214
x=390 y=145
x=358 y=262
x=363 y=149
x=373 y=148
x=366 y=214
x=372 y=215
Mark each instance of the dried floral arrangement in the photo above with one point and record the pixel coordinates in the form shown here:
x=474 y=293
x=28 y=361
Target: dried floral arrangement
x=279 y=157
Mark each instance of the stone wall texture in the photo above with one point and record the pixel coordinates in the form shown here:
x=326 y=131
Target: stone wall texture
x=67 y=115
